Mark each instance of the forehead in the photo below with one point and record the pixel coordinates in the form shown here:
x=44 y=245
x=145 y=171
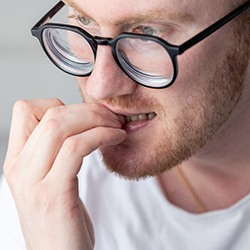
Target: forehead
x=113 y=11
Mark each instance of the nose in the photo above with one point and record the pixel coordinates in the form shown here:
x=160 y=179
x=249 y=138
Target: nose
x=107 y=79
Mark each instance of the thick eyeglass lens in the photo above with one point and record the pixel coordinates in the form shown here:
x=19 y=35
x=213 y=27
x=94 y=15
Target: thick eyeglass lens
x=145 y=61
x=69 y=50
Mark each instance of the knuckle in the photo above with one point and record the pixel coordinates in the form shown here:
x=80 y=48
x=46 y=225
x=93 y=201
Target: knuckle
x=22 y=107
x=53 y=112
x=57 y=102
x=52 y=127
x=71 y=145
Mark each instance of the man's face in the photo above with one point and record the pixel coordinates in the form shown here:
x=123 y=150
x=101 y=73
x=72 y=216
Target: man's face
x=164 y=126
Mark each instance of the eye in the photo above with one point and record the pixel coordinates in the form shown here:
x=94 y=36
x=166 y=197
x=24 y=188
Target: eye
x=146 y=30
x=167 y=31
x=85 y=21
x=81 y=20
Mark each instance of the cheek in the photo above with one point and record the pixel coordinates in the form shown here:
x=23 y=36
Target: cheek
x=199 y=63
x=195 y=66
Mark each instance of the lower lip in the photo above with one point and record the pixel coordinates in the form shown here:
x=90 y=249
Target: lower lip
x=135 y=126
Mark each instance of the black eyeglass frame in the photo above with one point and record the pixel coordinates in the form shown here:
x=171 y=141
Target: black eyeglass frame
x=94 y=41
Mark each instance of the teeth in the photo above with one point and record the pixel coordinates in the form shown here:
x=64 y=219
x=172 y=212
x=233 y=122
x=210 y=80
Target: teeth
x=151 y=116
x=140 y=117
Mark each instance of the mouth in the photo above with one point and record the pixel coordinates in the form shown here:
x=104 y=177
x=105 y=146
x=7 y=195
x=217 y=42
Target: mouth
x=136 y=122
x=140 y=117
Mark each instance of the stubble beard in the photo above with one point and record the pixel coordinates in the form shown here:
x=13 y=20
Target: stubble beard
x=186 y=135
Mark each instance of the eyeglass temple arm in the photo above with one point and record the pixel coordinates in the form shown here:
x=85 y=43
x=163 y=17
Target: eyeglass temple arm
x=49 y=15
x=212 y=28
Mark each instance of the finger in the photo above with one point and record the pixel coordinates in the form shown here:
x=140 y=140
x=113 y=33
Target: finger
x=69 y=160
x=26 y=116
x=61 y=123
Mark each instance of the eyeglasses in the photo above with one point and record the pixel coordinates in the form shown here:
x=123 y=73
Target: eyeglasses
x=148 y=60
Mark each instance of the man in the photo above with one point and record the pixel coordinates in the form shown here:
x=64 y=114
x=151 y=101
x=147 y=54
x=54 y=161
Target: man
x=190 y=138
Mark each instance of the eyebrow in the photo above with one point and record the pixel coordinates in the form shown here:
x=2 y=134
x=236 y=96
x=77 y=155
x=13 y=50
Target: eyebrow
x=152 y=15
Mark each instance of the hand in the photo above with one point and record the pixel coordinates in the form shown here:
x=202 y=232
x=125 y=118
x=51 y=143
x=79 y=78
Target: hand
x=48 y=141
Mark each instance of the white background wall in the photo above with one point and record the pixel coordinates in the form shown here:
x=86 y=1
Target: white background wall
x=25 y=71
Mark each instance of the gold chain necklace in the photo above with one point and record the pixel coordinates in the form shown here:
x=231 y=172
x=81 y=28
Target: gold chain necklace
x=200 y=205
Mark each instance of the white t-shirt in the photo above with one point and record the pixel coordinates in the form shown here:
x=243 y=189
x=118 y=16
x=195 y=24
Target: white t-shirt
x=131 y=215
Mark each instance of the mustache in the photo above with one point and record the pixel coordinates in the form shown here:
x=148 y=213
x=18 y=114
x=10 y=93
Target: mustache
x=129 y=102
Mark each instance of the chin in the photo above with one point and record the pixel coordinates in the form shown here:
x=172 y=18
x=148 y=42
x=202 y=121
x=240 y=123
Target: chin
x=135 y=163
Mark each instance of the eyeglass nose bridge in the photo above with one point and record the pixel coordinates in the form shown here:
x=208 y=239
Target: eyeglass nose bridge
x=102 y=40
x=105 y=41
